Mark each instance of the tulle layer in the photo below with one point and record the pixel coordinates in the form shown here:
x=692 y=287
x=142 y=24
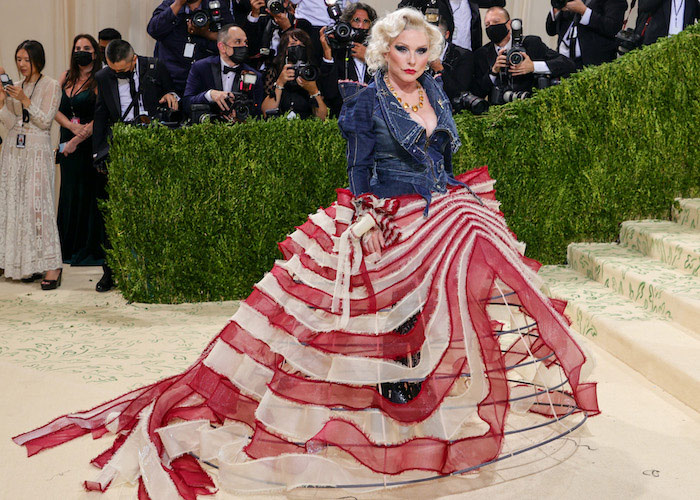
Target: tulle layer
x=300 y=387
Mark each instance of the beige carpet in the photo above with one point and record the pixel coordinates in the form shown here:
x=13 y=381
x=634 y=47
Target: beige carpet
x=72 y=348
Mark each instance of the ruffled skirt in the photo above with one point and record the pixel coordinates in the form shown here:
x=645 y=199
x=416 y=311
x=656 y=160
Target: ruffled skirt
x=358 y=371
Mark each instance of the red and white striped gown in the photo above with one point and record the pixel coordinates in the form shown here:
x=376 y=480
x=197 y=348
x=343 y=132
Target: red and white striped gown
x=289 y=393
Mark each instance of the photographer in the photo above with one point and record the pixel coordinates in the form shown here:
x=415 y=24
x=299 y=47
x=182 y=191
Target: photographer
x=130 y=88
x=179 y=41
x=586 y=30
x=456 y=65
x=265 y=27
x=216 y=80
x=104 y=37
x=344 y=58
x=661 y=18
x=492 y=67
x=462 y=17
x=290 y=83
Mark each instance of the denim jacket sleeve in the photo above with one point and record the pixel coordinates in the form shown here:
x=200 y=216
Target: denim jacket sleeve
x=356 y=125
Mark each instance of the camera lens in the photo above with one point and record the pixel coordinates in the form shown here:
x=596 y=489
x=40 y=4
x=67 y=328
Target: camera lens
x=515 y=58
x=200 y=19
x=308 y=73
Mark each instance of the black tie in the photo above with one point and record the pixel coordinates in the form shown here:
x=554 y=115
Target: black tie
x=228 y=69
x=134 y=96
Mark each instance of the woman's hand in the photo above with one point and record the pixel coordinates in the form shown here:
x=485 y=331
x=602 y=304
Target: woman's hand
x=373 y=242
x=17 y=92
x=310 y=87
x=76 y=128
x=70 y=147
x=287 y=75
x=3 y=96
x=327 y=53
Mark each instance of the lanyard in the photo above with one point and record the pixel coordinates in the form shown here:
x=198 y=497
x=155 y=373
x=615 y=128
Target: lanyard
x=75 y=93
x=25 y=113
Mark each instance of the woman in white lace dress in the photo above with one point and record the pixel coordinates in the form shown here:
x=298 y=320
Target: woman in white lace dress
x=29 y=242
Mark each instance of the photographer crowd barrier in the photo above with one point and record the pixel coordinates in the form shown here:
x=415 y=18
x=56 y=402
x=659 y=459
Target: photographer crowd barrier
x=196 y=213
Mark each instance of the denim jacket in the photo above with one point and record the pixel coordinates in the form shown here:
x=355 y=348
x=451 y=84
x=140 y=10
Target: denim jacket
x=388 y=152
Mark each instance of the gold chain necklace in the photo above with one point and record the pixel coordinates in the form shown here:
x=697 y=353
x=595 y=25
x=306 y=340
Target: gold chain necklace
x=415 y=107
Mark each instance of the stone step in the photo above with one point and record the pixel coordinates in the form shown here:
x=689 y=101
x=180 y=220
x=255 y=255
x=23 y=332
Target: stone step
x=662 y=351
x=686 y=211
x=654 y=285
x=675 y=244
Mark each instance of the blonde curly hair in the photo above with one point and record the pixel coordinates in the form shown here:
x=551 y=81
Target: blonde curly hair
x=386 y=29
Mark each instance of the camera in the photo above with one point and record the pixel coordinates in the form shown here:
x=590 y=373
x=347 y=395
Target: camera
x=5 y=80
x=341 y=35
x=305 y=71
x=627 y=40
x=560 y=4
x=242 y=102
x=275 y=6
x=471 y=102
x=211 y=16
x=500 y=96
x=515 y=95
x=517 y=53
x=171 y=118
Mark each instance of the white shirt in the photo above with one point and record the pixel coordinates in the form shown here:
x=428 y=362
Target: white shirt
x=226 y=79
x=462 y=14
x=360 y=69
x=565 y=45
x=125 y=95
x=540 y=66
x=675 y=24
x=315 y=11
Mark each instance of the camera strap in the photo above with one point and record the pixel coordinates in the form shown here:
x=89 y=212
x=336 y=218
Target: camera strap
x=629 y=13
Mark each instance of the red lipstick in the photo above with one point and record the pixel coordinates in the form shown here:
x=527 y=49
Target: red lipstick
x=410 y=71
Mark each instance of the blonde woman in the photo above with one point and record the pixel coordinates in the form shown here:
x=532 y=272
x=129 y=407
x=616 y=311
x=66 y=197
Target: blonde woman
x=368 y=357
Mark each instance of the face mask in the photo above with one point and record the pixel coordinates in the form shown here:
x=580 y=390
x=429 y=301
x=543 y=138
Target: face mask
x=124 y=75
x=497 y=32
x=296 y=53
x=361 y=35
x=239 y=55
x=82 y=57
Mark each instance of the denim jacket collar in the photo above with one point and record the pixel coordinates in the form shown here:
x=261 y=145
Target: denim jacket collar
x=405 y=129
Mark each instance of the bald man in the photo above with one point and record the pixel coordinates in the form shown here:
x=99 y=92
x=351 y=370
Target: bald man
x=214 y=80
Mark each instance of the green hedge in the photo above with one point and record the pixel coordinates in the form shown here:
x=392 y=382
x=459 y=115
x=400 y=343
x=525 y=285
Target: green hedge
x=195 y=214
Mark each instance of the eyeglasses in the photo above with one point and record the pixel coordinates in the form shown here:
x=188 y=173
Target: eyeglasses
x=364 y=22
x=245 y=44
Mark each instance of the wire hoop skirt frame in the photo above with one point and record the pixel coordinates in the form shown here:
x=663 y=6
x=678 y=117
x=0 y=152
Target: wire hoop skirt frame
x=298 y=388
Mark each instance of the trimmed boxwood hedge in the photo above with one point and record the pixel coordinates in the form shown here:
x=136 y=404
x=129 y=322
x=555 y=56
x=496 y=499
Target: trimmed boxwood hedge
x=195 y=214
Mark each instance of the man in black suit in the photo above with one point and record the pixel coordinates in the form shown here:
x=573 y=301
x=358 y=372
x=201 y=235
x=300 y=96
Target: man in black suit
x=661 y=18
x=586 y=30
x=491 y=68
x=129 y=88
x=456 y=65
x=213 y=79
x=462 y=17
x=346 y=63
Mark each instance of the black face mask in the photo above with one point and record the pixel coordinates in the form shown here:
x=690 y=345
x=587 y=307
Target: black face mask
x=82 y=57
x=361 y=35
x=497 y=32
x=239 y=54
x=124 y=75
x=296 y=54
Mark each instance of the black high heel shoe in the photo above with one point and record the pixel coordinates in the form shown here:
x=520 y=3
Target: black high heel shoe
x=52 y=284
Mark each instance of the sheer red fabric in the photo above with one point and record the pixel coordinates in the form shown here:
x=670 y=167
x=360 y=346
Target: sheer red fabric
x=300 y=378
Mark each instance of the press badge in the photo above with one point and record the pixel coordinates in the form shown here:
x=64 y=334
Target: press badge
x=189 y=50
x=21 y=140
